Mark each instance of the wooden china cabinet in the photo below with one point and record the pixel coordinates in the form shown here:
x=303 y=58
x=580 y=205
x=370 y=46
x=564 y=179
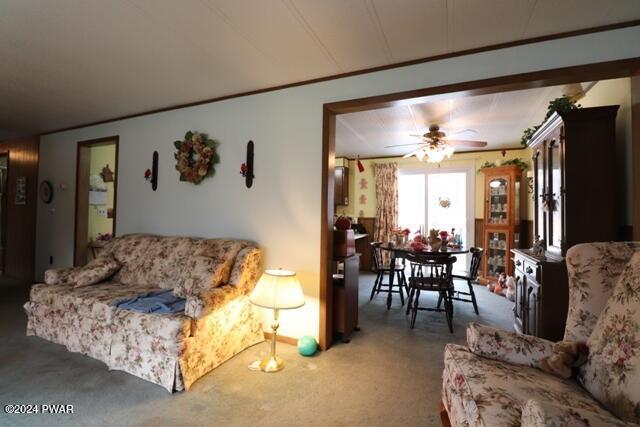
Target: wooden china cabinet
x=503 y=208
x=575 y=201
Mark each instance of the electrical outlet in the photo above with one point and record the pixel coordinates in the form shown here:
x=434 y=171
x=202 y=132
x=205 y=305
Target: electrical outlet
x=102 y=211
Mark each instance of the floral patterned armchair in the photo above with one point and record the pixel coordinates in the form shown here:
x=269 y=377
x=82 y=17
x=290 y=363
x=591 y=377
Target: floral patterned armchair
x=173 y=350
x=495 y=380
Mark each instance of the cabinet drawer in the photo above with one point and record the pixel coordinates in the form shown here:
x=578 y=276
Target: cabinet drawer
x=531 y=270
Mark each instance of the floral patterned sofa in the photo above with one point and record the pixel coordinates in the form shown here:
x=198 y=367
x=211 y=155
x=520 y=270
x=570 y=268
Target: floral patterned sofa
x=495 y=380
x=172 y=350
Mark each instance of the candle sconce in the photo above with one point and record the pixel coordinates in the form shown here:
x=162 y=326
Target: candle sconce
x=246 y=169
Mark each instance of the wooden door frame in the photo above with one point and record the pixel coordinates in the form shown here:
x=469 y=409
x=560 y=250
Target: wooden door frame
x=109 y=140
x=4 y=207
x=552 y=77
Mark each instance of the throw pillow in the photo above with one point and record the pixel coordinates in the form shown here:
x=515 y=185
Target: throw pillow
x=96 y=271
x=612 y=371
x=60 y=276
x=201 y=274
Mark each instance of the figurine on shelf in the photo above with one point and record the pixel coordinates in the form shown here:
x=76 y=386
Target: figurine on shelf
x=434 y=241
x=539 y=247
x=511 y=289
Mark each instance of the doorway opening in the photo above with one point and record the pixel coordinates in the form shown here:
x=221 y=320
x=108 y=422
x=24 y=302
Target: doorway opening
x=96 y=196
x=4 y=169
x=362 y=186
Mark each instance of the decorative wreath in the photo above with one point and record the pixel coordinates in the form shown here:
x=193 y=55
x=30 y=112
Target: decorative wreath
x=195 y=157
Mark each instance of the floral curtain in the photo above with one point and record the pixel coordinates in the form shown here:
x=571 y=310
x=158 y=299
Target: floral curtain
x=386 y=175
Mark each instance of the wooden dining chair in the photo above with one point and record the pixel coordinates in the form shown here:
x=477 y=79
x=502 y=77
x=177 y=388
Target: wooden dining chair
x=433 y=275
x=384 y=269
x=470 y=277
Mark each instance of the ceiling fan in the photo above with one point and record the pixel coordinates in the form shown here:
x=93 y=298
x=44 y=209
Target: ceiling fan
x=435 y=145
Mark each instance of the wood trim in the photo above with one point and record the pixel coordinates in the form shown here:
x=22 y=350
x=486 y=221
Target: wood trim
x=326 y=227
x=528 y=80
x=444 y=416
x=281 y=338
x=521 y=42
x=522 y=147
x=115 y=139
x=557 y=76
x=635 y=153
x=4 y=207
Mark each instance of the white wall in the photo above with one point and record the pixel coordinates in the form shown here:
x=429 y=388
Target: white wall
x=282 y=210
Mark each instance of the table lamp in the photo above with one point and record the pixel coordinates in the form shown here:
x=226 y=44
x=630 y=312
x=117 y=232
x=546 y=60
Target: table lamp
x=277 y=290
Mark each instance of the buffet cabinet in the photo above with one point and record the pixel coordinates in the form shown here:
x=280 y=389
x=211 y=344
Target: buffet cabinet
x=503 y=205
x=575 y=201
x=540 y=311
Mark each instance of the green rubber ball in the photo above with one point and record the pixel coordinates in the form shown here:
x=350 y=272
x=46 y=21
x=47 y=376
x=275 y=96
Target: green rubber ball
x=307 y=345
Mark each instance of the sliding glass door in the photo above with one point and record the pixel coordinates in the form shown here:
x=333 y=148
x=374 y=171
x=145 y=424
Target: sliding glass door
x=439 y=198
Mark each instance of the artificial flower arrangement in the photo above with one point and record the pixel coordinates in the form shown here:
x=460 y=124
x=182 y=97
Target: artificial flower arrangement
x=401 y=235
x=195 y=157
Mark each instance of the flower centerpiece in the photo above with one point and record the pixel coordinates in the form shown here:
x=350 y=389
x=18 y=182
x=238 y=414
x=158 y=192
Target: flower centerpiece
x=195 y=157
x=444 y=239
x=419 y=243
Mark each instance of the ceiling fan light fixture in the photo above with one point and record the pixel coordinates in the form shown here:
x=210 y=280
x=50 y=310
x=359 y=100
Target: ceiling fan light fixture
x=436 y=153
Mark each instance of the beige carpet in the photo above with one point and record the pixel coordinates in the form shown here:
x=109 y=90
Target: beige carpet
x=387 y=375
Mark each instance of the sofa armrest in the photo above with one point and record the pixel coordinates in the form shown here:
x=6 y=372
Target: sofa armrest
x=60 y=276
x=198 y=306
x=541 y=414
x=244 y=276
x=246 y=269
x=507 y=346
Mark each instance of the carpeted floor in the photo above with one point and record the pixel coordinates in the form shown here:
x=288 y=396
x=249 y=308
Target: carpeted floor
x=387 y=375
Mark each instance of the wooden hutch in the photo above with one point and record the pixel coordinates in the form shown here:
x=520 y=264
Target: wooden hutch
x=574 y=162
x=504 y=206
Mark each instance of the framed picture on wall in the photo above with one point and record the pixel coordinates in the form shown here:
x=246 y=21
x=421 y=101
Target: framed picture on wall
x=21 y=190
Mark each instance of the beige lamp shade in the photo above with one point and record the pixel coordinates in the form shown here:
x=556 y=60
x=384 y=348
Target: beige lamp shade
x=278 y=289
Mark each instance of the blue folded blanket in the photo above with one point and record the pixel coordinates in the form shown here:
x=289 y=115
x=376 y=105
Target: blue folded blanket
x=163 y=301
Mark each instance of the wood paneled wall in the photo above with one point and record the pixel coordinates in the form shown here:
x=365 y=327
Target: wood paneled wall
x=21 y=219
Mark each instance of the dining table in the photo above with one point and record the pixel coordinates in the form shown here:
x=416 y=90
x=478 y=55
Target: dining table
x=400 y=251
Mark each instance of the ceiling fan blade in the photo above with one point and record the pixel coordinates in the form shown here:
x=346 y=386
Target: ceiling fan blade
x=416 y=135
x=403 y=145
x=466 y=143
x=467 y=130
x=413 y=153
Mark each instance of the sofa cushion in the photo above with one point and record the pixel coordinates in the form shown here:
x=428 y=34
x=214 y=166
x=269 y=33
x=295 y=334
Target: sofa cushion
x=160 y=261
x=90 y=301
x=96 y=271
x=612 y=371
x=201 y=274
x=593 y=270
x=171 y=326
x=539 y=414
x=133 y=253
x=494 y=393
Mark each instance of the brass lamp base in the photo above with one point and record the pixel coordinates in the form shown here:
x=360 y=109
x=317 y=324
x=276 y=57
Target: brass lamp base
x=271 y=364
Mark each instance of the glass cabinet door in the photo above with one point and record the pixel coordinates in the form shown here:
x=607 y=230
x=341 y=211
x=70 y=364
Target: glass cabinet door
x=539 y=184
x=553 y=204
x=498 y=204
x=497 y=252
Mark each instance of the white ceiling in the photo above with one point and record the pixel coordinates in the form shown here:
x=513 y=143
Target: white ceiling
x=69 y=62
x=498 y=119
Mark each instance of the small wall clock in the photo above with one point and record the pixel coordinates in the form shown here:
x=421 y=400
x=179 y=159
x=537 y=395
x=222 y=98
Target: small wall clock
x=46 y=192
